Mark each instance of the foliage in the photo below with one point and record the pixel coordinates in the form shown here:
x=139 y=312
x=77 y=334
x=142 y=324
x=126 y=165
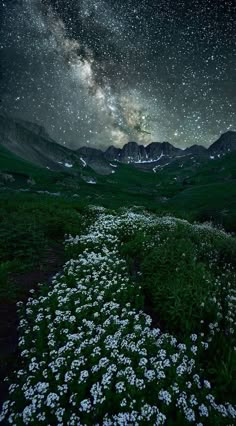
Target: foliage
x=196 y=190
x=90 y=354
x=28 y=225
x=187 y=273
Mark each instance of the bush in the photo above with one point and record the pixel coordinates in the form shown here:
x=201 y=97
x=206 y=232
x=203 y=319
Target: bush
x=24 y=238
x=29 y=228
x=91 y=356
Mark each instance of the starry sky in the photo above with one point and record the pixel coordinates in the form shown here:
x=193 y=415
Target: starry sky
x=105 y=72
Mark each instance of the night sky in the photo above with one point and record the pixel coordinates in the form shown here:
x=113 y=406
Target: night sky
x=102 y=72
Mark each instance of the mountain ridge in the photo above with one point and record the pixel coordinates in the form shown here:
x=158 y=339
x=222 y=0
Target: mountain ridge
x=31 y=142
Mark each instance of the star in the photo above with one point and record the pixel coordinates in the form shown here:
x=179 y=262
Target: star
x=107 y=72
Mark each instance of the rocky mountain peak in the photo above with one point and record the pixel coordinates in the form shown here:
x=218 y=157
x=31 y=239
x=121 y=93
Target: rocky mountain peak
x=31 y=142
x=226 y=143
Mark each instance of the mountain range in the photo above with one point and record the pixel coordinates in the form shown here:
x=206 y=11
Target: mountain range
x=32 y=143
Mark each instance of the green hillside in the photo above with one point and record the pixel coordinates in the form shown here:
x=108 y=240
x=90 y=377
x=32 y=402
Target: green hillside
x=39 y=208
x=22 y=170
x=203 y=190
x=10 y=162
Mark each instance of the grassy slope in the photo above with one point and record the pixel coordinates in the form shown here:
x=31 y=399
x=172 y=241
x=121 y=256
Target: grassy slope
x=10 y=162
x=188 y=186
x=31 y=224
x=215 y=195
x=210 y=193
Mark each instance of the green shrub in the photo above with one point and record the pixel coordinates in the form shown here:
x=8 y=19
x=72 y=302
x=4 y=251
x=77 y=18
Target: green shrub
x=187 y=273
x=24 y=239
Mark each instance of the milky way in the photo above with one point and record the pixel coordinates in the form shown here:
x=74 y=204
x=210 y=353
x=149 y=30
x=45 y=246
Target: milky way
x=104 y=72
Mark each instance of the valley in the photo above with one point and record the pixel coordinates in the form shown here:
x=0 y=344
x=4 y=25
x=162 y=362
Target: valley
x=135 y=262
x=117 y=213
x=196 y=182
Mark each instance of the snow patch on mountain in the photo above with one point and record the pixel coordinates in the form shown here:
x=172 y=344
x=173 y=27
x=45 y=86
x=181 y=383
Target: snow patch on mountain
x=83 y=162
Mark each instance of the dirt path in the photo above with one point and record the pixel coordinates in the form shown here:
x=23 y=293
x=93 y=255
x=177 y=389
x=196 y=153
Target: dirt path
x=9 y=320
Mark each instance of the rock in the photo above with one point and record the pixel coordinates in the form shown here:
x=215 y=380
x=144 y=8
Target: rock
x=7 y=178
x=89 y=179
x=226 y=143
x=31 y=181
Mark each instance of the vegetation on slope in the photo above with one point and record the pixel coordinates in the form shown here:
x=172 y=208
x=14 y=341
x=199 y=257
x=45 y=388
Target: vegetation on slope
x=197 y=190
x=91 y=356
x=180 y=274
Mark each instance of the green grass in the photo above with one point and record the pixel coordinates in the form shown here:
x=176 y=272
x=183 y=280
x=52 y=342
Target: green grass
x=204 y=191
x=10 y=162
x=183 y=270
x=209 y=186
x=88 y=350
x=215 y=195
x=30 y=225
x=176 y=270
x=214 y=202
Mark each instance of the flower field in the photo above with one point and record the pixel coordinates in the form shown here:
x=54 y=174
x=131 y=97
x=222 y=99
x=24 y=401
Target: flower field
x=90 y=352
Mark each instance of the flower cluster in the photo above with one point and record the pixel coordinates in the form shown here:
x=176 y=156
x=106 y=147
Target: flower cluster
x=90 y=354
